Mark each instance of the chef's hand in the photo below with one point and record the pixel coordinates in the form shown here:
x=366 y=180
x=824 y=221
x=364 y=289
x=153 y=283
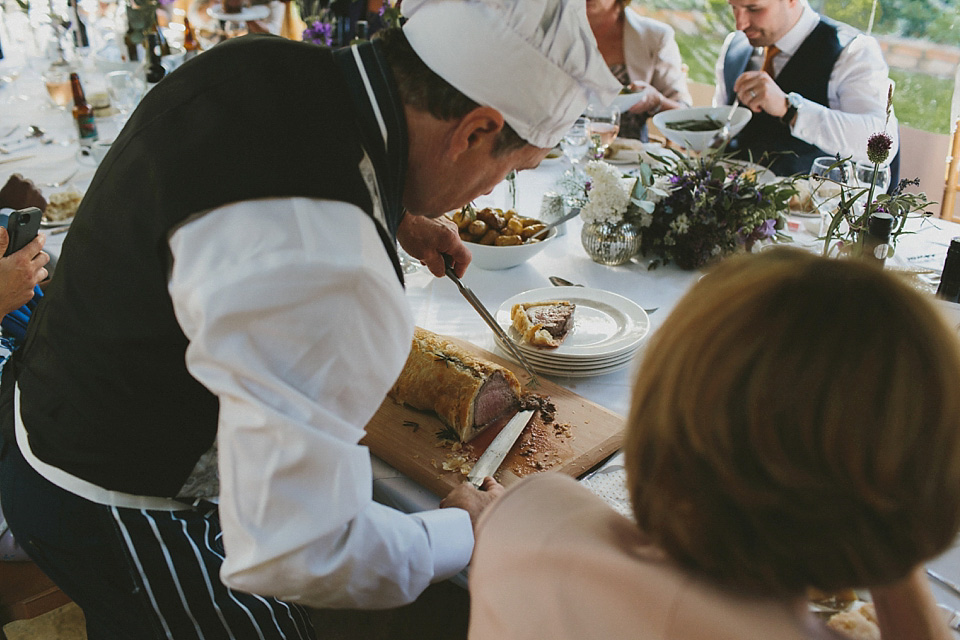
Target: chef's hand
x=758 y=92
x=428 y=239
x=473 y=500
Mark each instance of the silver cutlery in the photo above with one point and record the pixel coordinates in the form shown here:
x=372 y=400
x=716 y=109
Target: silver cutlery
x=557 y=281
x=722 y=136
x=947 y=584
x=61 y=182
x=556 y=223
x=491 y=322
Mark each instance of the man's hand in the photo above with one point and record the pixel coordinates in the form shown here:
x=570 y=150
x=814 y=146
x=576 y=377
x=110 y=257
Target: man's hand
x=652 y=100
x=20 y=193
x=758 y=92
x=20 y=271
x=429 y=239
x=473 y=500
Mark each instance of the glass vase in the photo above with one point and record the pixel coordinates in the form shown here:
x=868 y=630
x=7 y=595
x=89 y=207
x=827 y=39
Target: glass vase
x=611 y=243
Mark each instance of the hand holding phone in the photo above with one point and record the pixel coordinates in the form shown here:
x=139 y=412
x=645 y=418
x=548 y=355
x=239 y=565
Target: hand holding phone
x=22 y=227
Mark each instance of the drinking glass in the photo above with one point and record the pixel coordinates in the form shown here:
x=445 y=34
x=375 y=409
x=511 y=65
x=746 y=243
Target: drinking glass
x=57 y=81
x=576 y=142
x=125 y=91
x=603 y=127
x=865 y=177
x=825 y=194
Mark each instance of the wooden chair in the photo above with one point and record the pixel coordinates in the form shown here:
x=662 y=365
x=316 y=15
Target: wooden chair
x=26 y=592
x=952 y=183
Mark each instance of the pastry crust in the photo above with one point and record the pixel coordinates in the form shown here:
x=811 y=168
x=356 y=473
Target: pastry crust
x=534 y=332
x=439 y=376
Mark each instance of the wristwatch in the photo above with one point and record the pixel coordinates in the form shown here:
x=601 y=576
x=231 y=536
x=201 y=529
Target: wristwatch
x=793 y=104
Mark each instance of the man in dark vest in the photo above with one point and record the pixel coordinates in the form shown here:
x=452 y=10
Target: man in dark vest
x=180 y=429
x=816 y=87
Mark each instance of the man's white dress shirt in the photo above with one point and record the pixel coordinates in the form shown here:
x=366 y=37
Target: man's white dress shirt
x=856 y=92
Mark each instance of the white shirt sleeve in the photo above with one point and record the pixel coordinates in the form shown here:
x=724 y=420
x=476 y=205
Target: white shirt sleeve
x=298 y=324
x=719 y=86
x=857 y=95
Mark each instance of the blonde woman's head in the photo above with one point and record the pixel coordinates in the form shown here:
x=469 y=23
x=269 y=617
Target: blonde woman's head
x=795 y=423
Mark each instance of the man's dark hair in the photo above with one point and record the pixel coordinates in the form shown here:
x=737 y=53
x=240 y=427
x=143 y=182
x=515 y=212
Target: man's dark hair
x=424 y=90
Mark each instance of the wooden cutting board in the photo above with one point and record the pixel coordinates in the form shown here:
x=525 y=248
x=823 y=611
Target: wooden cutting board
x=581 y=435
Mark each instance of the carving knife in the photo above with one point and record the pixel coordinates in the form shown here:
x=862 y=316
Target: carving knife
x=491 y=459
x=491 y=322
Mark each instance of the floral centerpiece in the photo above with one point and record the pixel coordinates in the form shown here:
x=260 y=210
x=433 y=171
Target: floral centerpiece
x=141 y=20
x=321 y=16
x=849 y=219
x=713 y=207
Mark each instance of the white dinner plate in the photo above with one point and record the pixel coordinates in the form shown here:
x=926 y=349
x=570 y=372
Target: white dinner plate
x=52 y=224
x=575 y=363
x=605 y=324
x=256 y=12
x=572 y=372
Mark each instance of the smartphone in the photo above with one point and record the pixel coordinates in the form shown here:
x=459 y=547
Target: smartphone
x=22 y=227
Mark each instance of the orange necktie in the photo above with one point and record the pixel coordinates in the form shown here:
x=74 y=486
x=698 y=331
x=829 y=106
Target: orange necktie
x=768 y=56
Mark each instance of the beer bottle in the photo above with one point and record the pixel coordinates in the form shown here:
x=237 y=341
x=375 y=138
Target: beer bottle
x=82 y=112
x=190 y=44
x=79 y=29
x=949 y=288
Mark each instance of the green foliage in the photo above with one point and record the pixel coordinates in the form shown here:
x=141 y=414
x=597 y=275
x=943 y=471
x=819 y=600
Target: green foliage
x=922 y=101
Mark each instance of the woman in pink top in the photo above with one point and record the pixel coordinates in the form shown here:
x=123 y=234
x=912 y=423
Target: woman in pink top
x=794 y=425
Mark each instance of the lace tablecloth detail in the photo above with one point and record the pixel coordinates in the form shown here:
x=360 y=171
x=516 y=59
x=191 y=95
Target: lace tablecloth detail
x=610 y=485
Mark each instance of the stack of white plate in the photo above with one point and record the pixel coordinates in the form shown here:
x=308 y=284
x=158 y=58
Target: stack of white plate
x=607 y=331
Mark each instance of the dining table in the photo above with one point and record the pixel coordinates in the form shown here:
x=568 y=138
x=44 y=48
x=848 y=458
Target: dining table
x=56 y=162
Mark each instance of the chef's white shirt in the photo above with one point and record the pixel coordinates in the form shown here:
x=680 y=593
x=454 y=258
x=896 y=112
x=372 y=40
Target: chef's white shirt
x=856 y=92
x=298 y=324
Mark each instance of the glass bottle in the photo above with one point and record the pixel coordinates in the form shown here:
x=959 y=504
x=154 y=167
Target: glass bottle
x=82 y=112
x=78 y=28
x=155 y=70
x=190 y=44
x=949 y=288
x=876 y=242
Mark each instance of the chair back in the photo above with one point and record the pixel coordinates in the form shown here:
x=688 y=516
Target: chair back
x=26 y=592
x=952 y=182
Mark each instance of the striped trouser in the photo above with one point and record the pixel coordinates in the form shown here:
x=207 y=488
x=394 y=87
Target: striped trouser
x=138 y=574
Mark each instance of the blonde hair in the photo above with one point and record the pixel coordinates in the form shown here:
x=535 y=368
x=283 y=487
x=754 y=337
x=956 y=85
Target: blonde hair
x=795 y=423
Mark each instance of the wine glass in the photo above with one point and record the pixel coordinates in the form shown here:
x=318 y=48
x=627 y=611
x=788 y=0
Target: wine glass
x=603 y=127
x=835 y=176
x=865 y=177
x=125 y=92
x=576 y=142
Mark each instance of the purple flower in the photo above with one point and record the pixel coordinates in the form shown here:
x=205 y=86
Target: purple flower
x=878 y=147
x=768 y=229
x=319 y=33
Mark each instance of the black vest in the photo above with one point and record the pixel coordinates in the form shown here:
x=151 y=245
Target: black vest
x=807 y=73
x=105 y=392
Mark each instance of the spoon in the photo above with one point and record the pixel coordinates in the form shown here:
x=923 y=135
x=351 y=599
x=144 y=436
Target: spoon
x=573 y=214
x=557 y=281
x=722 y=136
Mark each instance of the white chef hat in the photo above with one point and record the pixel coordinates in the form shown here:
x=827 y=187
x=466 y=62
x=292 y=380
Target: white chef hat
x=535 y=61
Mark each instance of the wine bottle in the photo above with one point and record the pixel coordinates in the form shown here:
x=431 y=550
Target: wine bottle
x=949 y=288
x=78 y=28
x=155 y=70
x=876 y=243
x=82 y=112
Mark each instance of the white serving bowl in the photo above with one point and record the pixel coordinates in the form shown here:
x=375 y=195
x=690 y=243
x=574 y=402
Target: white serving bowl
x=699 y=140
x=493 y=258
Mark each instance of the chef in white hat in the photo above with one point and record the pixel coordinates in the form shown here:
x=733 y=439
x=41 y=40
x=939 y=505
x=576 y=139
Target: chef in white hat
x=210 y=446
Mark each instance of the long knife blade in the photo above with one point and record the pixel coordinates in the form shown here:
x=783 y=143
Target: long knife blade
x=491 y=459
x=491 y=322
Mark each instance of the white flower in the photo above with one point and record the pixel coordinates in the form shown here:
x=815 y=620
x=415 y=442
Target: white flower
x=646 y=219
x=609 y=194
x=681 y=225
